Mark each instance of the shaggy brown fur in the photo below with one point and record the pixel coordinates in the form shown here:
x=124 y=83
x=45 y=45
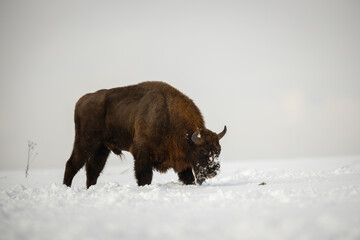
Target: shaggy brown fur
x=153 y=121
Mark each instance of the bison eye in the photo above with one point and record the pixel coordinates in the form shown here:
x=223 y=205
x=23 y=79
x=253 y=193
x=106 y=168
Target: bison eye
x=204 y=152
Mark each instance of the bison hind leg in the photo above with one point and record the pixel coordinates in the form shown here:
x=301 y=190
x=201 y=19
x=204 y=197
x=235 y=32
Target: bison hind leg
x=73 y=165
x=96 y=164
x=187 y=176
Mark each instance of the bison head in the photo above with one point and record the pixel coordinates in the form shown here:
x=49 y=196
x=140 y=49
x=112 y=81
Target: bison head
x=207 y=151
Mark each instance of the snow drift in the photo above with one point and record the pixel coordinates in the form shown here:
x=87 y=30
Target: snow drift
x=302 y=199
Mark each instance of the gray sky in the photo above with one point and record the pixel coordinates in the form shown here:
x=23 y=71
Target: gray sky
x=284 y=76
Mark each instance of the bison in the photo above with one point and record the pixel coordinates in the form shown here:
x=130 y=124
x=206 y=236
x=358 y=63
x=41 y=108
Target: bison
x=160 y=126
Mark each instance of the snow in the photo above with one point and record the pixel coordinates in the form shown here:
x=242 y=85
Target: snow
x=302 y=199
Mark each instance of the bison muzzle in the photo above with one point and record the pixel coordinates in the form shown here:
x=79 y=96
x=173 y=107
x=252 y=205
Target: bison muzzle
x=160 y=126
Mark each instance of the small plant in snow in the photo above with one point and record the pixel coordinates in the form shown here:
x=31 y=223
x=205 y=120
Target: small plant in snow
x=31 y=156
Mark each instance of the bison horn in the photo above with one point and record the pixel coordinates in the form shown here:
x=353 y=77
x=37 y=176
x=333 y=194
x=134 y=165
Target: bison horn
x=196 y=137
x=220 y=135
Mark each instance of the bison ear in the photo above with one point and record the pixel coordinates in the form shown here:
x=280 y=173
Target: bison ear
x=196 y=137
x=220 y=135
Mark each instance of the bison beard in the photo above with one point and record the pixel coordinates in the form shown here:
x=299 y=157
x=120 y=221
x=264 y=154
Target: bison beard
x=160 y=126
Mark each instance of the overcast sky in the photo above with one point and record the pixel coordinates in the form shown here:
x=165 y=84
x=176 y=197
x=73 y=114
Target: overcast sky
x=284 y=76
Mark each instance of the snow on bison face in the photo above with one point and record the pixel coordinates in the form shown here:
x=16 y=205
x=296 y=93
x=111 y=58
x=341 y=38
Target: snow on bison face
x=207 y=153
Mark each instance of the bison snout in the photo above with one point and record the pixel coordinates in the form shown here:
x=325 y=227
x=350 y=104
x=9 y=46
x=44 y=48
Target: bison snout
x=211 y=175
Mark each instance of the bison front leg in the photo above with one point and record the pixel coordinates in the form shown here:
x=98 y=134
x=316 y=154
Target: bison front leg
x=187 y=176
x=143 y=168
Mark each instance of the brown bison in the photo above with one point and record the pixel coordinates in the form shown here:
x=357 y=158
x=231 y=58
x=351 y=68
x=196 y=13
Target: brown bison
x=158 y=124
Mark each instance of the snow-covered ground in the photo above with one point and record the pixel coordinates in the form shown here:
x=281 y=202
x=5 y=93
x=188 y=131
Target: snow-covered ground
x=302 y=199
